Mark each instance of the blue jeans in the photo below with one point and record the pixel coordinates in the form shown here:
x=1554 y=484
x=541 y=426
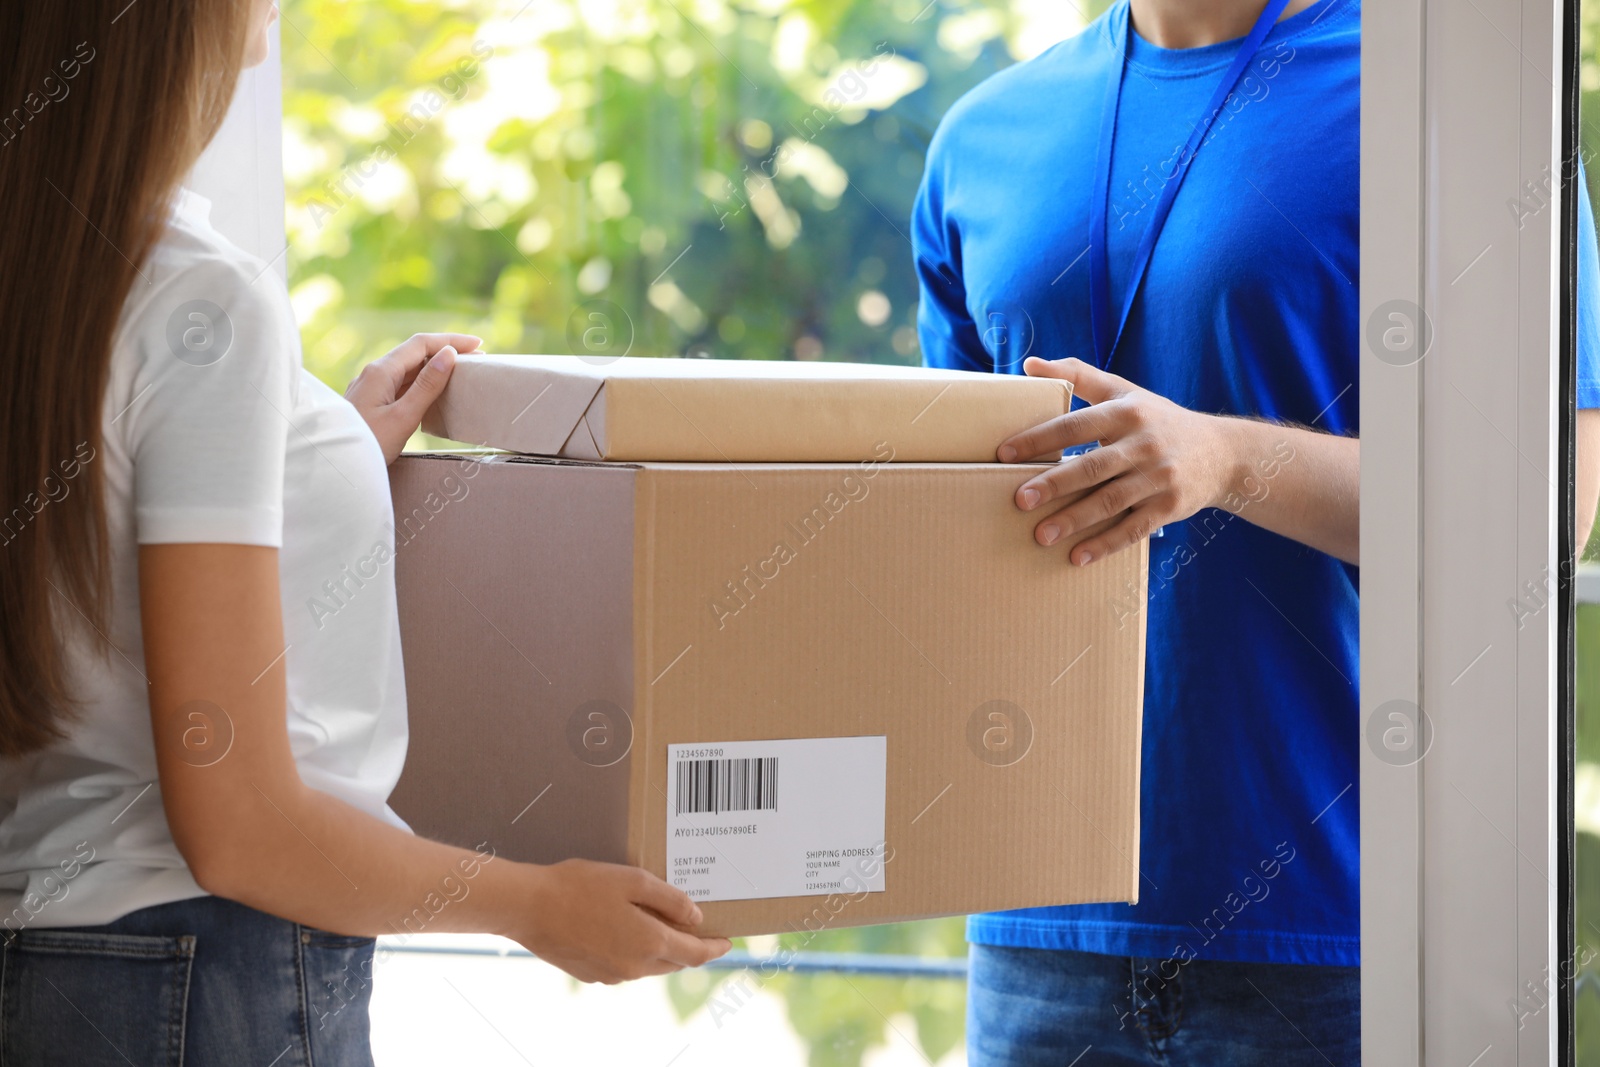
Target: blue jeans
x=199 y=983
x=1029 y=1006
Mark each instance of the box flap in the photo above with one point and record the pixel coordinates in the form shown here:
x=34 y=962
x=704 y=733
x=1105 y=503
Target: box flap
x=738 y=411
x=519 y=735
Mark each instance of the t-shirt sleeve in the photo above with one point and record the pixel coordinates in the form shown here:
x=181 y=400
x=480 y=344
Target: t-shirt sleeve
x=208 y=416
x=1588 y=310
x=945 y=330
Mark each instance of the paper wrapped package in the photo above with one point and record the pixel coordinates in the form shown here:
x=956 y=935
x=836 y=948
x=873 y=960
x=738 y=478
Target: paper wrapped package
x=736 y=411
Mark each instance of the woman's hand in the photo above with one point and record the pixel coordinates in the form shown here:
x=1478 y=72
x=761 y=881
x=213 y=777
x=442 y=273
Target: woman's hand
x=1158 y=462
x=601 y=922
x=394 y=391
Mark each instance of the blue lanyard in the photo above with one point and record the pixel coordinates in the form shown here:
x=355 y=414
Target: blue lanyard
x=1105 y=341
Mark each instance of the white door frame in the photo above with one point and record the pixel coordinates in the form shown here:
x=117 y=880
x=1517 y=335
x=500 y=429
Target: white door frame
x=1461 y=109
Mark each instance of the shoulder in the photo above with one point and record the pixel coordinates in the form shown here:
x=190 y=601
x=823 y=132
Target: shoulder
x=1066 y=80
x=198 y=294
x=192 y=261
x=1334 y=31
x=206 y=326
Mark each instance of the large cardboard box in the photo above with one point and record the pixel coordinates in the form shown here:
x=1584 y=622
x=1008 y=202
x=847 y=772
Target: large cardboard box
x=736 y=411
x=811 y=695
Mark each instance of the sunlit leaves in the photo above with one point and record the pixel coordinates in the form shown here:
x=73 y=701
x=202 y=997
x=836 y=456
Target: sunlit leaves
x=487 y=165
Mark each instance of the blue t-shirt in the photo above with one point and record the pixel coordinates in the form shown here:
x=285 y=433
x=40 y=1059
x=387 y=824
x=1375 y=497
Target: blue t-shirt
x=1250 y=827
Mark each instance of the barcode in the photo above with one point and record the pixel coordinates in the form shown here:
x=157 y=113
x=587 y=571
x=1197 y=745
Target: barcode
x=718 y=785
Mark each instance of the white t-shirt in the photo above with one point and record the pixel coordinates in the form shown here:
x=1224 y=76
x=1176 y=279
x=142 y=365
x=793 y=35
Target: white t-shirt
x=214 y=433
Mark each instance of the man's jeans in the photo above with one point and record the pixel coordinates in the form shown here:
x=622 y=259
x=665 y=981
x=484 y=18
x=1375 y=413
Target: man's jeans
x=1036 y=1006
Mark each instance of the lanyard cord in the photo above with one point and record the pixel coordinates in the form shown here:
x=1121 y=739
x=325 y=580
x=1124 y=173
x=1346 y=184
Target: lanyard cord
x=1105 y=340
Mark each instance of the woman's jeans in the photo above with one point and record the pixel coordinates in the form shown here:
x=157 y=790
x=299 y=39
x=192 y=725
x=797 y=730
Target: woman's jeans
x=199 y=983
x=1035 y=1006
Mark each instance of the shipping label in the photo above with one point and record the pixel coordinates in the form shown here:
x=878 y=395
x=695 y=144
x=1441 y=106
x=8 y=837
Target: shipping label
x=798 y=817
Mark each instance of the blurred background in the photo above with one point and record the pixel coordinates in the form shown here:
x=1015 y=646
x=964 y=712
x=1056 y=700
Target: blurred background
x=710 y=178
x=657 y=177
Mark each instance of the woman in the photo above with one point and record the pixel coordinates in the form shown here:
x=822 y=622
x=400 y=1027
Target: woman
x=195 y=845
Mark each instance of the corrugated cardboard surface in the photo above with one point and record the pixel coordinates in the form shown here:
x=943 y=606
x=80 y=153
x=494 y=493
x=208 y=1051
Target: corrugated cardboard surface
x=728 y=411
x=914 y=597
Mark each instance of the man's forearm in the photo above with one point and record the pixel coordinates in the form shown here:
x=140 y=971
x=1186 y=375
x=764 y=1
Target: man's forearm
x=1586 y=491
x=1299 y=483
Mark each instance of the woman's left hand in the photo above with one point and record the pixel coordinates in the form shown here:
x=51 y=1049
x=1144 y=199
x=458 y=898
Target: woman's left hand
x=393 y=392
x=1157 y=462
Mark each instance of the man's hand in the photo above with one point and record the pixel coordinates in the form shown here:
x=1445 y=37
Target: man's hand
x=1158 y=462
x=394 y=391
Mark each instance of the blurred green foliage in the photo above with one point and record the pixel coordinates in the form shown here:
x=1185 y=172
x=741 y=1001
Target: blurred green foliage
x=728 y=179
x=1587 y=866
x=842 y=1016
x=724 y=178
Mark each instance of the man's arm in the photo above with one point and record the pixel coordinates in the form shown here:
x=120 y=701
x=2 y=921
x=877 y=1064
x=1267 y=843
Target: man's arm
x=1586 y=493
x=945 y=329
x=1161 y=463
x=1587 y=489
